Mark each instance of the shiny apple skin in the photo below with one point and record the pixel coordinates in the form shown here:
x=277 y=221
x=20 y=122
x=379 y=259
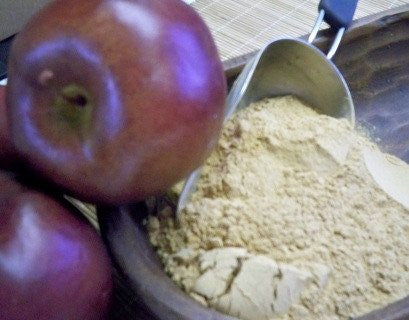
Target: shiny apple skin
x=7 y=154
x=157 y=85
x=52 y=264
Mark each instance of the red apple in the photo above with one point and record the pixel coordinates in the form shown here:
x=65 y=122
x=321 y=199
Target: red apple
x=115 y=100
x=52 y=263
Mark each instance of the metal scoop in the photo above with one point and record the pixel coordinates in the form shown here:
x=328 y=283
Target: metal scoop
x=292 y=66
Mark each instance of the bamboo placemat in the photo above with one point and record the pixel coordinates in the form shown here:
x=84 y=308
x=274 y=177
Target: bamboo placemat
x=242 y=26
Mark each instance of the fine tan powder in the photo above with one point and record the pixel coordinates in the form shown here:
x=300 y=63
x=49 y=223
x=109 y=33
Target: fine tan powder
x=287 y=222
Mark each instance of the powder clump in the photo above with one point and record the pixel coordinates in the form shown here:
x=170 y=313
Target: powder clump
x=287 y=223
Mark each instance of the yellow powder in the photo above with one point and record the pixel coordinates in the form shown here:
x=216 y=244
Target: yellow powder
x=287 y=222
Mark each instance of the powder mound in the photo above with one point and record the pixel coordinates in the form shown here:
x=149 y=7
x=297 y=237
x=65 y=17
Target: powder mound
x=232 y=280
x=287 y=223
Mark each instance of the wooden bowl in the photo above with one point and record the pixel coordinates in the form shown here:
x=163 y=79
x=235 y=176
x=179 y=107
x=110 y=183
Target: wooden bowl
x=374 y=58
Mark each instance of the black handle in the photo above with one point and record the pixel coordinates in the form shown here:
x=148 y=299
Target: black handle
x=338 y=13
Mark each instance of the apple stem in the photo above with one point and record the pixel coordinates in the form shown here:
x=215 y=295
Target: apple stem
x=75 y=95
x=73 y=106
x=78 y=100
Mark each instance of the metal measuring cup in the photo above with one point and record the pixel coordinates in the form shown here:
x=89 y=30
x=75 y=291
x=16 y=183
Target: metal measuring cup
x=293 y=66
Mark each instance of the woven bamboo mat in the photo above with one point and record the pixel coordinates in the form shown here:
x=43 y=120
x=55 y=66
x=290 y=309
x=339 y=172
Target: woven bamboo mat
x=242 y=26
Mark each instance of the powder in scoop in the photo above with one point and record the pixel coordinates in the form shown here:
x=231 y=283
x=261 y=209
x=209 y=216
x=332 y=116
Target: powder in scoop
x=287 y=222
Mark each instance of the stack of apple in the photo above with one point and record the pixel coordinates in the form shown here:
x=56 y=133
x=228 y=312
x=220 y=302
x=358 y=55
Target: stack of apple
x=108 y=101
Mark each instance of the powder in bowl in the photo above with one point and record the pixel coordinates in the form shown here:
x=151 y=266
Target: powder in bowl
x=287 y=222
